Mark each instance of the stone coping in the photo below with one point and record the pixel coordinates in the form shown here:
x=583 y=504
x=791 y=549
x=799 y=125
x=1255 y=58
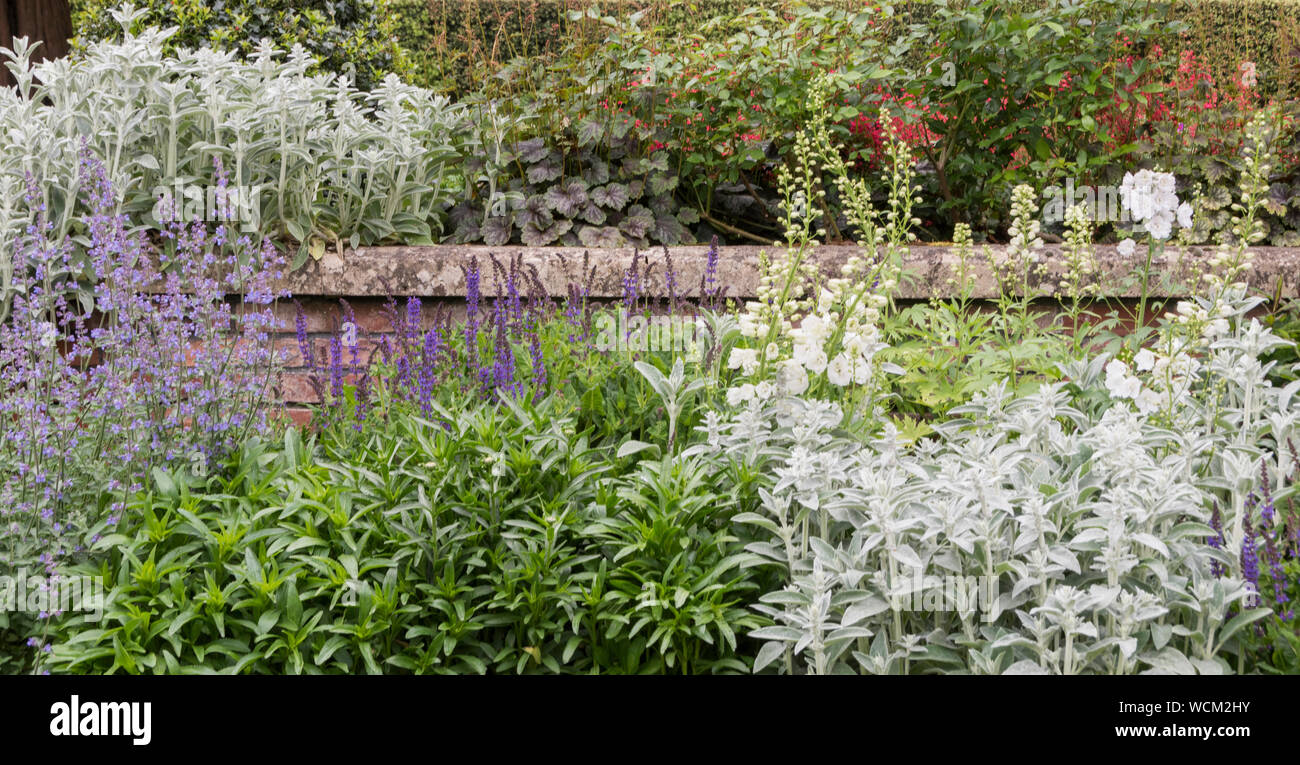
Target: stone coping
x=436 y=271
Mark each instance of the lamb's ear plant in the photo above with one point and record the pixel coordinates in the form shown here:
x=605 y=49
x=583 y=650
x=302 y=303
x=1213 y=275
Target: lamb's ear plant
x=1108 y=522
x=674 y=391
x=309 y=157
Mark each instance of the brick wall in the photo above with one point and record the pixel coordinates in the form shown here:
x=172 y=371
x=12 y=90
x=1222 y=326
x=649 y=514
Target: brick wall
x=365 y=278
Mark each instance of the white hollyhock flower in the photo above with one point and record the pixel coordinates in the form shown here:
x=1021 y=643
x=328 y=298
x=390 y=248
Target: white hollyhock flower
x=744 y=359
x=1185 y=215
x=764 y=390
x=812 y=330
x=1150 y=197
x=1118 y=381
x=1126 y=247
x=1216 y=329
x=1161 y=224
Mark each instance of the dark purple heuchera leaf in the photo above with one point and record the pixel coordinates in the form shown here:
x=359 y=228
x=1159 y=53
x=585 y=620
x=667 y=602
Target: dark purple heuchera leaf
x=463 y=212
x=567 y=199
x=601 y=236
x=474 y=165
x=635 y=189
x=661 y=183
x=535 y=213
x=593 y=214
x=589 y=132
x=661 y=205
x=668 y=230
x=467 y=231
x=596 y=171
x=655 y=162
x=638 y=222
x=548 y=169
x=613 y=196
x=688 y=215
x=534 y=236
x=496 y=231
x=532 y=151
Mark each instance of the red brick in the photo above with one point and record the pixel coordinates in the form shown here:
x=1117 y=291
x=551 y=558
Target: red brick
x=296 y=388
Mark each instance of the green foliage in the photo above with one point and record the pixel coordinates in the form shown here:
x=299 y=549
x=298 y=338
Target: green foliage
x=1004 y=95
x=310 y=157
x=344 y=35
x=498 y=541
x=457 y=43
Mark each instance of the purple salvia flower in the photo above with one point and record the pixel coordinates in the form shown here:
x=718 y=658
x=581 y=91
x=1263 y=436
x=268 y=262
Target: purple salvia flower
x=1250 y=553
x=336 y=369
x=670 y=280
x=304 y=343
x=472 y=277
x=1217 y=541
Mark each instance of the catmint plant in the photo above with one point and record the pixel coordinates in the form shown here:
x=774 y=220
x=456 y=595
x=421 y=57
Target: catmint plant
x=162 y=369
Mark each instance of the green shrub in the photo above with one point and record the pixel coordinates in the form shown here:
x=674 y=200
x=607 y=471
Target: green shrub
x=498 y=541
x=345 y=35
x=453 y=42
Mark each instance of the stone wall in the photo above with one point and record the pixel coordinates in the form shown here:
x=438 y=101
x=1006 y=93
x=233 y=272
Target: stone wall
x=365 y=277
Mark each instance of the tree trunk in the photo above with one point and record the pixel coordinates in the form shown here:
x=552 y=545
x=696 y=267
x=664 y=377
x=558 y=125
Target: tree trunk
x=49 y=21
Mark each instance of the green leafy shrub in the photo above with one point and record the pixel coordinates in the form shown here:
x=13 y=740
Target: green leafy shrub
x=344 y=36
x=497 y=541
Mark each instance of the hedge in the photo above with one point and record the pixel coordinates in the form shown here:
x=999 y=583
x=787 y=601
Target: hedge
x=346 y=35
x=453 y=43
